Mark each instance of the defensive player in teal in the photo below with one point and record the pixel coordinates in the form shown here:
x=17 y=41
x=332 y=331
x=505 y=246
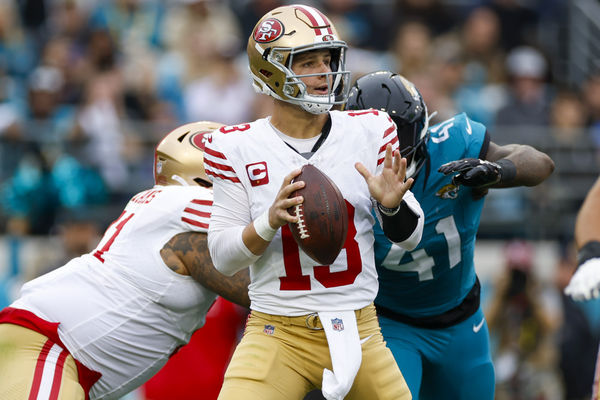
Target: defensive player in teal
x=428 y=301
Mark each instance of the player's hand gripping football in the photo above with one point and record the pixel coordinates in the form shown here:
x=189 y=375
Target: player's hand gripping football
x=278 y=214
x=585 y=283
x=473 y=172
x=389 y=187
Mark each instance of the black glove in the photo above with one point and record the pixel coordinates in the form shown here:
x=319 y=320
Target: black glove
x=473 y=172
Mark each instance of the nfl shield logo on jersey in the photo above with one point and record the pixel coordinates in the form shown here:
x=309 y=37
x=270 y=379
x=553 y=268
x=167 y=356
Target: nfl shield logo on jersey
x=337 y=324
x=269 y=329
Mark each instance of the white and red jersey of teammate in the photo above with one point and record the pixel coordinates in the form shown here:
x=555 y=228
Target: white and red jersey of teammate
x=122 y=311
x=250 y=161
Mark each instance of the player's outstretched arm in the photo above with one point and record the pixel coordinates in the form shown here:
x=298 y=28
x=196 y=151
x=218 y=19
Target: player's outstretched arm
x=532 y=166
x=585 y=283
x=503 y=166
x=187 y=254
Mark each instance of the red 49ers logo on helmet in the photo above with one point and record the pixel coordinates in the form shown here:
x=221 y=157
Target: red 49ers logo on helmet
x=268 y=30
x=199 y=139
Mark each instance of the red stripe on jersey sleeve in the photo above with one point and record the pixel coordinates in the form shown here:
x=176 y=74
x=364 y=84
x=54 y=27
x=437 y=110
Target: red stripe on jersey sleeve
x=199 y=213
x=389 y=130
x=214 y=153
x=202 y=202
x=215 y=165
x=392 y=142
x=194 y=222
x=229 y=178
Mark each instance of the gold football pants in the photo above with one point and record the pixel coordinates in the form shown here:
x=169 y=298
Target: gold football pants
x=33 y=367
x=284 y=357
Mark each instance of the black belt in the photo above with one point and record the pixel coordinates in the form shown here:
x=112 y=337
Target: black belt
x=449 y=318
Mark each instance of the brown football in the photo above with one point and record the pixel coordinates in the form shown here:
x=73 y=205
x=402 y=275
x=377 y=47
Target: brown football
x=323 y=225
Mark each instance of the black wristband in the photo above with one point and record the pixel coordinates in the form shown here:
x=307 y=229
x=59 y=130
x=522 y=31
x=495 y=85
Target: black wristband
x=588 y=251
x=401 y=225
x=508 y=171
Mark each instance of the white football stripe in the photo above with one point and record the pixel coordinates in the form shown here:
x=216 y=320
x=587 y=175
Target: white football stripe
x=48 y=372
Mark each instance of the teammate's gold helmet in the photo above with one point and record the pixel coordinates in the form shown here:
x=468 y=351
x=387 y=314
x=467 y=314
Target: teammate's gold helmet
x=284 y=32
x=179 y=157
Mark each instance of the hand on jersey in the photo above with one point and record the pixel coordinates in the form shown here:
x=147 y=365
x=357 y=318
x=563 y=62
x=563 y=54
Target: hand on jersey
x=388 y=188
x=473 y=172
x=585 y=283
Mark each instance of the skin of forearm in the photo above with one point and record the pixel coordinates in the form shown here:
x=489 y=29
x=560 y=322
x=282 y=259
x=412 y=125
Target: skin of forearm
x=533 y=166
x=187 y=254
x=253 y=241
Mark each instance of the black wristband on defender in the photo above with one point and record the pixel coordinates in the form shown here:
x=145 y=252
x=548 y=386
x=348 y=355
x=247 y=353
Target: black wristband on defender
x=589 y=250
x=401 y=225
x=508 y=172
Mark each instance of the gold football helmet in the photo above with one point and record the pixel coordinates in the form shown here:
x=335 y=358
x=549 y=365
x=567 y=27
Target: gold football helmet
x=179 y=157
x=284 y=32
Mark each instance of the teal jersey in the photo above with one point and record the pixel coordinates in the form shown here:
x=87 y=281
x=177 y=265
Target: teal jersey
x=437 y=275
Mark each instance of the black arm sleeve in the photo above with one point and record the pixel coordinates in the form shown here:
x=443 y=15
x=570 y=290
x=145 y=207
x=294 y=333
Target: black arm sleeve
x=401 y=225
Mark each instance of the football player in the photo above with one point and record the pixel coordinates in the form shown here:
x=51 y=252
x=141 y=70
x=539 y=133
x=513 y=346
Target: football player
x=585 y=283
x=428 y=300
x=104 y=323
x=311 y=325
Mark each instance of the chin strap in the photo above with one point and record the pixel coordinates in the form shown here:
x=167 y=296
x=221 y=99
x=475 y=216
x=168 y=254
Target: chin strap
x=316 y=108
x=179 y=180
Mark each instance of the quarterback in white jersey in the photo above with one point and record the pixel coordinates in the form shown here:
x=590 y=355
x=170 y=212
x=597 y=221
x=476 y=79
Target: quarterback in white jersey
x=237 y=159
x=107 y=321
x=311 y=326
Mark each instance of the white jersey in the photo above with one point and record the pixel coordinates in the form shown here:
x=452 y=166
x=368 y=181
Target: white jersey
x=285 y=280
x=122 y=311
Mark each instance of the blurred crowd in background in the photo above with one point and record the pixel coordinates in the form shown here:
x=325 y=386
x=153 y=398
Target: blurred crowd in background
x=88 y=87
